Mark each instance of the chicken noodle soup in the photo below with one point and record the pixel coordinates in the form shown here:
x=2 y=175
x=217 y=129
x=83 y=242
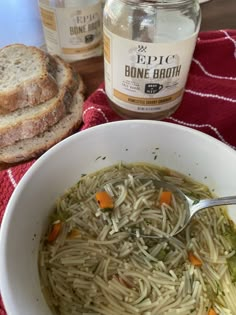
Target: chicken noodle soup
x=94 y=260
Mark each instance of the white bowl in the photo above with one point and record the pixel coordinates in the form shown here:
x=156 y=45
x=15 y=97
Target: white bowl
x=188 y=151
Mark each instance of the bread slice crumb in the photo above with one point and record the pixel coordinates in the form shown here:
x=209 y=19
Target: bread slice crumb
x=27 y=77
x=32 y=148
x=28 y=122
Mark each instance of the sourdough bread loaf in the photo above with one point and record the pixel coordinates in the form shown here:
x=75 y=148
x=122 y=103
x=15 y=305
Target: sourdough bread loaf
x=31 y=148
x=29 y=121
x=27 y=77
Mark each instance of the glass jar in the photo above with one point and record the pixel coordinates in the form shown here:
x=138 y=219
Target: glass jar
x=148 y=49
x=72 y=28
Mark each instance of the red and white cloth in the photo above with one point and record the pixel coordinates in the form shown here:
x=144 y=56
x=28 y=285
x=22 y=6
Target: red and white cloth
x=209 y=102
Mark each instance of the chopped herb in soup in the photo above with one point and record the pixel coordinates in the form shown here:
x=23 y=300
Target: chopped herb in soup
x=94 y=258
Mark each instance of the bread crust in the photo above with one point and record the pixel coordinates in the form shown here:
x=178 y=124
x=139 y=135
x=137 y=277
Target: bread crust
x=30 y=92
x=31 y=126
x=32 y=148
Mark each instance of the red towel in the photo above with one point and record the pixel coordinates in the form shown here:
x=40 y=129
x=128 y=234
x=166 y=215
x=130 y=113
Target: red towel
x=209 y=102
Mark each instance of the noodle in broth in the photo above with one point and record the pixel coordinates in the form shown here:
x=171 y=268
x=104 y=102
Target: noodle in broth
x=93 y=265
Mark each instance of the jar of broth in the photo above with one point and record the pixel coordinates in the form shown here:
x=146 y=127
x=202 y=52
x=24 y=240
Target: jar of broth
x=148 y=49
x=72 y=28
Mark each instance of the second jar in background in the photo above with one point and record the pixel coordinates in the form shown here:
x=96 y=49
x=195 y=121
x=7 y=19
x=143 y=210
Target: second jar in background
x=148 y=49
x=72 y=28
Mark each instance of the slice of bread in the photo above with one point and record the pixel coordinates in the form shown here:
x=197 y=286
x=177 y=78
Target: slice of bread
x=31 y=148
x=27 y=77
x=28 y=122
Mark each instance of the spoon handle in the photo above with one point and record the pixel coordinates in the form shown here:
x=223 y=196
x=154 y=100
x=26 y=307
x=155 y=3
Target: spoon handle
x=207 y=203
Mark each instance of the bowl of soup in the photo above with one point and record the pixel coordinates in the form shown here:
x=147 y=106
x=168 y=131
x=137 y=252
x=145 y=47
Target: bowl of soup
x=80 y=232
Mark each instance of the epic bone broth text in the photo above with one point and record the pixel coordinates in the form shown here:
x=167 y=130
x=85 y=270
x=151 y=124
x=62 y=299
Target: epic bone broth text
x=72 y=28
x=148 y=48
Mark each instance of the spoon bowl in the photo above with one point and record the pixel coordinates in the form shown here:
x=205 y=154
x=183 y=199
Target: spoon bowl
x=190 y=206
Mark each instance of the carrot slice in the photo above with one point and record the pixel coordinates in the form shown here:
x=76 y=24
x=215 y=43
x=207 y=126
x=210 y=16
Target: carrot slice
x=104 y=200
x=194 y=260
x=212 y=312
x=56 y=228
x=166 y=197
x=73 y=234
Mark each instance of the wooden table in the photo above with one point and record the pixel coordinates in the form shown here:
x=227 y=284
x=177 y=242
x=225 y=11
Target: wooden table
x=216 y=14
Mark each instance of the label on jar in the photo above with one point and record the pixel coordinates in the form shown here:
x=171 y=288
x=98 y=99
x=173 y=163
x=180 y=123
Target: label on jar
x=71 y=32
x=146 y=77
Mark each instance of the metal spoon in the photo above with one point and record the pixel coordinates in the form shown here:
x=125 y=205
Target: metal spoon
x=192 y=206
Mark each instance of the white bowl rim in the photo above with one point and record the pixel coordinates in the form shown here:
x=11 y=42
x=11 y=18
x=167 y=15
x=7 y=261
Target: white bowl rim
x=4 y=287
x=93 y=129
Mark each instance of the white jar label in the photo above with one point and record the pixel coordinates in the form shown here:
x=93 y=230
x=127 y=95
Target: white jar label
x=73 y=33
x=146 y=77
